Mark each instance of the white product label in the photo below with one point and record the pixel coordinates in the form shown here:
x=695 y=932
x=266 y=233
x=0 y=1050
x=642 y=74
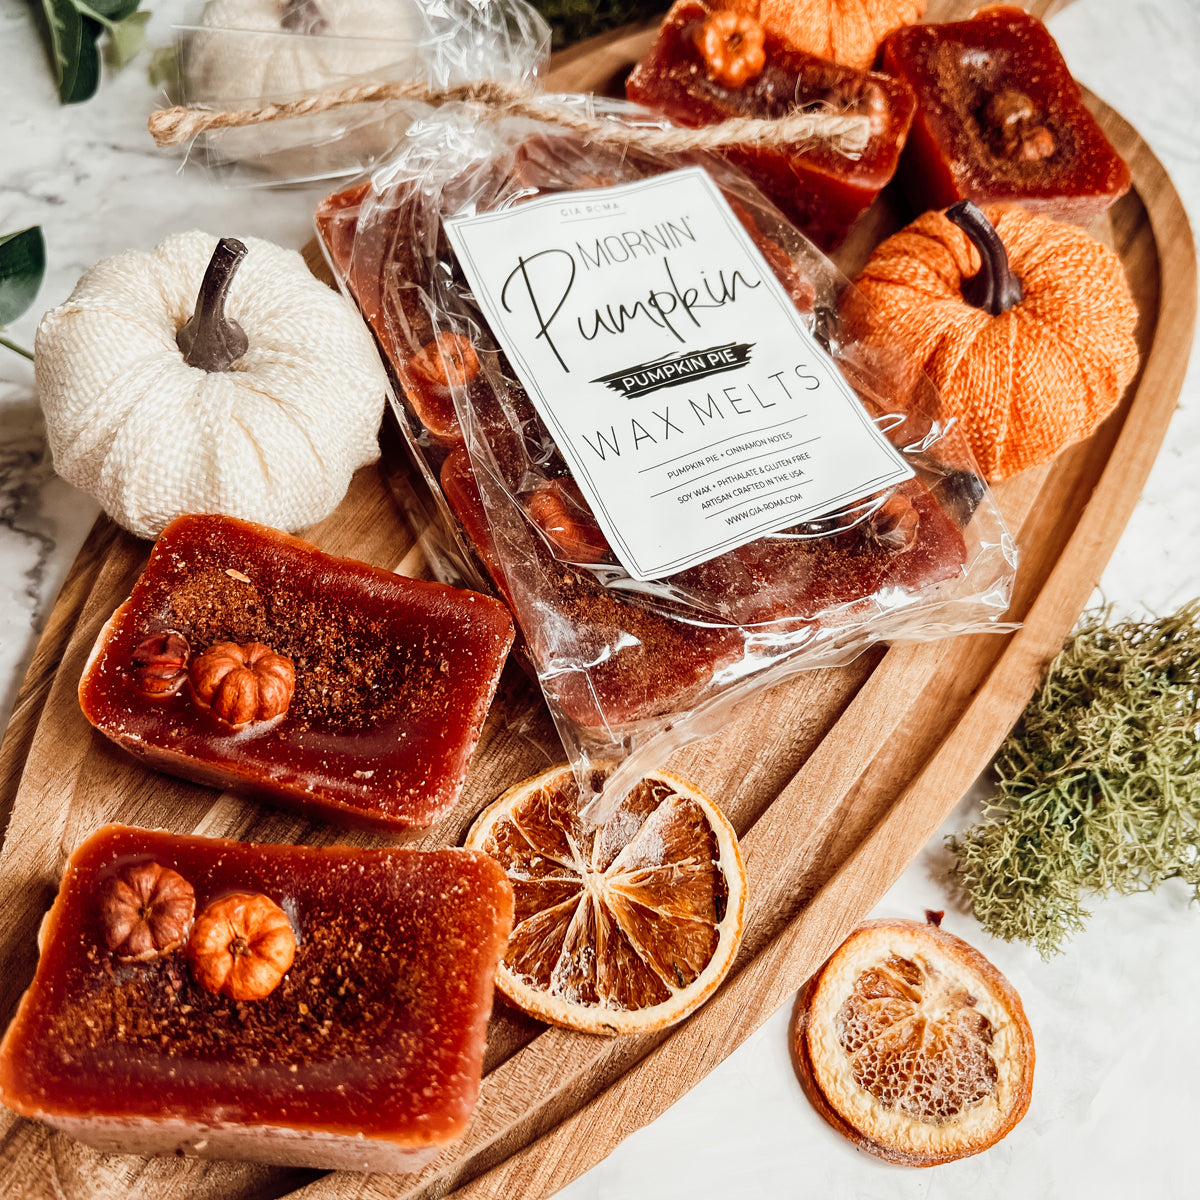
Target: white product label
x=694 y=408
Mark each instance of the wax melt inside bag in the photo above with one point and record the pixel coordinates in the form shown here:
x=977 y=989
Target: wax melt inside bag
x=245 y=54
x=635 y=393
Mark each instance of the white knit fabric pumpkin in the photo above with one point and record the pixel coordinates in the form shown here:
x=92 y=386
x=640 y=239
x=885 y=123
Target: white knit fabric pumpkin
x=275 y=438
x=246 y=53
x=356 y=37
x=243 y=56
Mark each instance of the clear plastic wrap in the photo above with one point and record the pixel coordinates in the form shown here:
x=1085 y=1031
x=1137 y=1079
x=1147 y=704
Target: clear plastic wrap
x=245 y=54
x=633 y=668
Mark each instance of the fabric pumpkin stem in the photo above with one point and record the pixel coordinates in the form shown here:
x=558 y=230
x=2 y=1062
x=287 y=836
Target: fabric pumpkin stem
x=303 y=16
x=210 y=340
x=994 y=287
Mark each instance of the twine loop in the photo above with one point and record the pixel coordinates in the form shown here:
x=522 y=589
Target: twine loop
x=845 y=133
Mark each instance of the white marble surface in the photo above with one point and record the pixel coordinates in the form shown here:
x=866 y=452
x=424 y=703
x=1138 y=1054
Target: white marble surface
x=1116 y=1099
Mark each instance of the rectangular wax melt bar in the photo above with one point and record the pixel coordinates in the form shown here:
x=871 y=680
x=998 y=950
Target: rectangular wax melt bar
x=365 y=1055
x=820 y=189
x=1000 y=120
x=393 y=677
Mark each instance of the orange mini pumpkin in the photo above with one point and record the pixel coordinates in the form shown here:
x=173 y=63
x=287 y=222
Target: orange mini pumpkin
x=1025 y=326
x=559 y=510
x=846 y=31
x=243 y=683
x=731 y=44
x=241 y=946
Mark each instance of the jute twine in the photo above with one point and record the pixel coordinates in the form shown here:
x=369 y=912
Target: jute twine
x=845 y=133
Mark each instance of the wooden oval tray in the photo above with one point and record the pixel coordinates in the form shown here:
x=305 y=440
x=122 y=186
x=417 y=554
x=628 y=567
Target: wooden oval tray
x=834 y=780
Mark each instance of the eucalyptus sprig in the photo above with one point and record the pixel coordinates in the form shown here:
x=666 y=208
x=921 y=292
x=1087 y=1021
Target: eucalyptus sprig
x=22 y=265
x=71 y=31
x=1099 y=784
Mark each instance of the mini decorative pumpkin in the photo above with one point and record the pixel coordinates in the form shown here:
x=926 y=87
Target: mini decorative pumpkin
x=447 y=361
x=160 y=663
x=146 y=910
x=241 y=946
x=252 y=51
x=731 y=44
x=260 y=405
x=559 y=510
x=243 y=683
x=846 y=31
x=1026 y=326
x=323 y=43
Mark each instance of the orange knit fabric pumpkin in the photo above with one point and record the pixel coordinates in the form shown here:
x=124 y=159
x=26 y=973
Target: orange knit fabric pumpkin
x=846 y=31
x=1028 y=382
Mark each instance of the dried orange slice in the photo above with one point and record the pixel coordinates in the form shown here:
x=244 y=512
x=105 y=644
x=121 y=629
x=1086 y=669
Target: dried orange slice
x=910 y=1043
x=624 y=928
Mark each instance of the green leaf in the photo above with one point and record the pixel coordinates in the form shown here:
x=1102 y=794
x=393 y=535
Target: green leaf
x=109 y=10
x=84 y=79
x=68 y=44
x=61 y=28
x=70 y=30
x=22 y=265
x=125 y=39
x=165 y=73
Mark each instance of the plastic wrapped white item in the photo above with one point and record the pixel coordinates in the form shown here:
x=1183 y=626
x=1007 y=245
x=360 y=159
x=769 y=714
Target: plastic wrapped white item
x=249 y=53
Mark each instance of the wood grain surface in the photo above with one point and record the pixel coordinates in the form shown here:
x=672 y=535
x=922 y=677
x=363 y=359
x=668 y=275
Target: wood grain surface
x=834 y=780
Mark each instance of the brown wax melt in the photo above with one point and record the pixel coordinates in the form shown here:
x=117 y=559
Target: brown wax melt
x=820 y=189
x=1000 y=120
x=366 y=1055
x=907 y=543
x=661 y=663
x=391 y=677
